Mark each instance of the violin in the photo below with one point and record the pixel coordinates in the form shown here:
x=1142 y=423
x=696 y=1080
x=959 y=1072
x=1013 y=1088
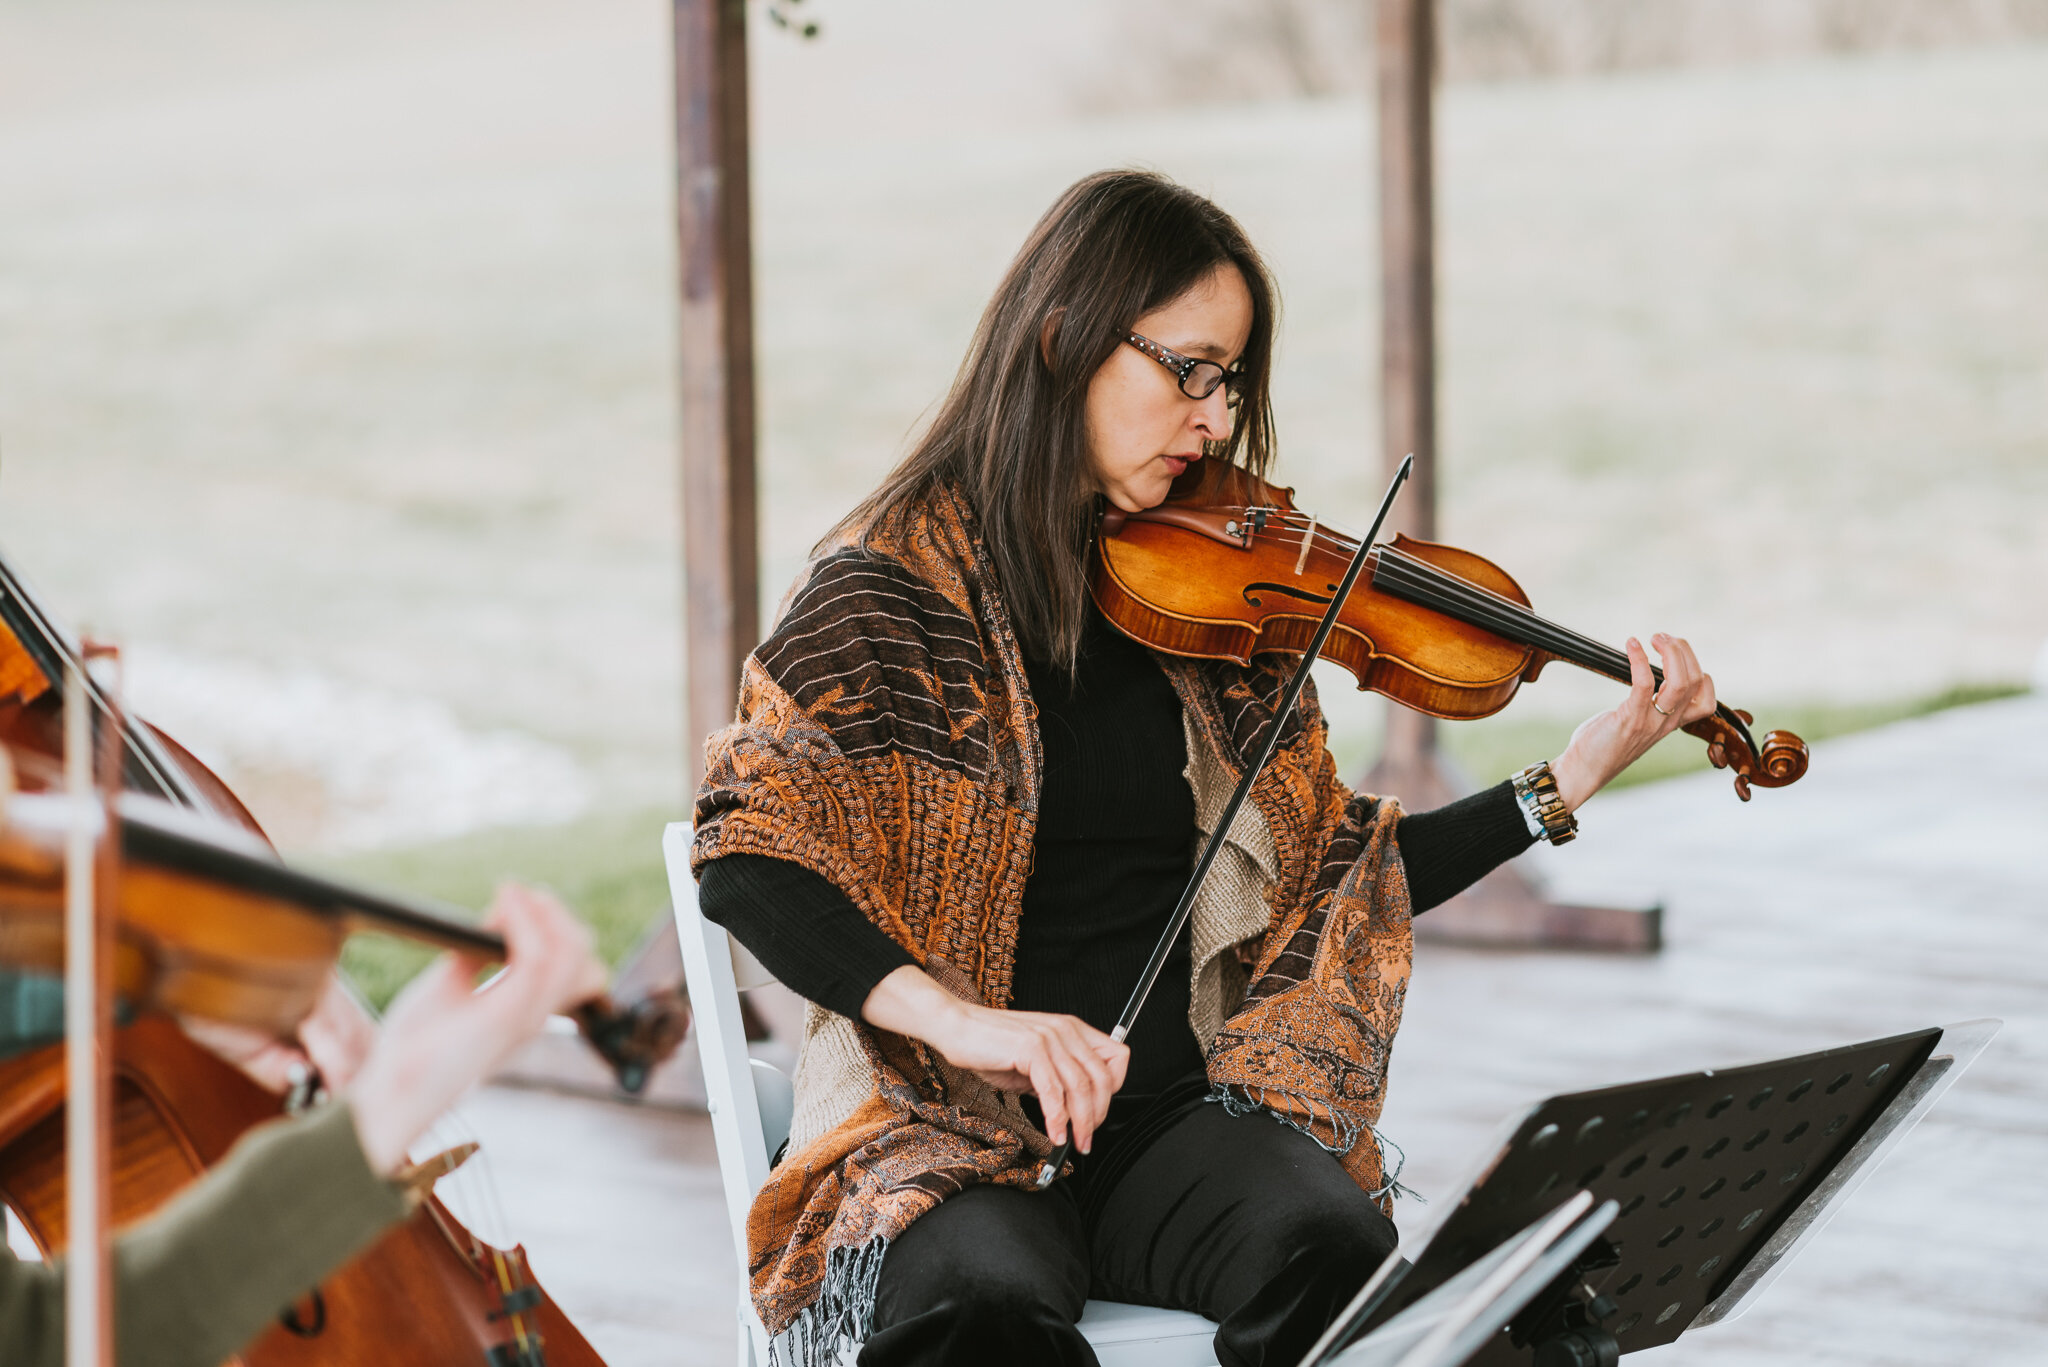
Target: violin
x=211 y=923
x=1228 y=566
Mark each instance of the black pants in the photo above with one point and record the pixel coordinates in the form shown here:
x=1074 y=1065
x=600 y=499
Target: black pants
x=1238 y=1218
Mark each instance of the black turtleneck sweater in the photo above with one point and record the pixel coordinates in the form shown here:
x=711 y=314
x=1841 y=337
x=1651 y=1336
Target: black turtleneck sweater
x=1115 y=844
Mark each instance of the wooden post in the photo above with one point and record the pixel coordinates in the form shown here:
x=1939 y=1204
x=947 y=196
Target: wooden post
x=1406 y=70
x=1408 y=257
x=715 y=258
x=1504 y=908
x=715 y=265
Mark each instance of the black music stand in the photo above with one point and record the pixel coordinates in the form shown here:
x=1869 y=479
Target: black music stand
x=1717 y=1178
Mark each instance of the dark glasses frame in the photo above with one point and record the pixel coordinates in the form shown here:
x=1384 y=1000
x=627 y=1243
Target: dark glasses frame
x=1198 y=379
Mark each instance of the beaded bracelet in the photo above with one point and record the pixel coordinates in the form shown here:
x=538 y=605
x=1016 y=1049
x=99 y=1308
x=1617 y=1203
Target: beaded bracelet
x=1536 y=791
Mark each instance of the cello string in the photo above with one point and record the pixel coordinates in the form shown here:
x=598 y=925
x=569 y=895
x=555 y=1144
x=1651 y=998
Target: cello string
x=140 y=746
x=477 y=1199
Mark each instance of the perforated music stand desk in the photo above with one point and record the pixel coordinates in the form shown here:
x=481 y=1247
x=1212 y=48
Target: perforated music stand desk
x=1719 y=1177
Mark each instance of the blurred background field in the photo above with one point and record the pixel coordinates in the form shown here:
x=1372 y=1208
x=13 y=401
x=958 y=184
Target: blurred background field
x=336 y=349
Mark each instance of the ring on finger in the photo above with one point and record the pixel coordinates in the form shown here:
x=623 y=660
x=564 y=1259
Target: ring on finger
x=1662 y=710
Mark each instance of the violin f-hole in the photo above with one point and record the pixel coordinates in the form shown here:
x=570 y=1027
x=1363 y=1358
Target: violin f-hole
x=1290 y=592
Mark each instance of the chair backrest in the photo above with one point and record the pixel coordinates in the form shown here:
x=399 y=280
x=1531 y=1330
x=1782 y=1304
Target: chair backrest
x=750 y=1101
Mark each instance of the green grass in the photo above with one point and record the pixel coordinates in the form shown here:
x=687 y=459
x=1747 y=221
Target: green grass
x=608 y=865
x=1490 y=750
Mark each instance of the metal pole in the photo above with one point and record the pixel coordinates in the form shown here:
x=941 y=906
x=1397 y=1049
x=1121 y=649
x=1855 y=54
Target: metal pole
x=714 y=237
x=1406 y=61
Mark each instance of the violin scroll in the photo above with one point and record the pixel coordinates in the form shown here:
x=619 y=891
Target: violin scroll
x=1781 y=760
x=1228 y=566
x=633 y=1038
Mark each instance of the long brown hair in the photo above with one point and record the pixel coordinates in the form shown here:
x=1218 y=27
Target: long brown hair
x=1011 y=434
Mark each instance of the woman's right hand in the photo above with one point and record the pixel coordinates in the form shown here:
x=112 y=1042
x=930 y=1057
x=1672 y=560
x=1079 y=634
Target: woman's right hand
x=1070 y=1066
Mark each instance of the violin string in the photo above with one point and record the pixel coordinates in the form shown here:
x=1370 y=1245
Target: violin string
x=1437 y=588
x=1325 y=534
x=1466 y=601
x=1409 y=577
x=1405 y=575
x=1460 y=597
x=1517 y=623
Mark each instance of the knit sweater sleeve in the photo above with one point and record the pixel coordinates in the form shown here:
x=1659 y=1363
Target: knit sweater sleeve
x=801 y=927
x=1448 y=849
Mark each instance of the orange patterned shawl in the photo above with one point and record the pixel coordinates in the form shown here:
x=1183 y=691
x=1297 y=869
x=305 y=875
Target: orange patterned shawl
x=886 y=739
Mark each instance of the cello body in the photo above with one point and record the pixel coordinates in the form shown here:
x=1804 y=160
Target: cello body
x=427 y=1294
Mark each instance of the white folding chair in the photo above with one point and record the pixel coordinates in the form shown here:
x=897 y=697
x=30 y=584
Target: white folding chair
x=751 y=1102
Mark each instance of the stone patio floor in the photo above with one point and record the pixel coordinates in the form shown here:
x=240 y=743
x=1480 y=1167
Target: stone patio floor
x=1902 y=883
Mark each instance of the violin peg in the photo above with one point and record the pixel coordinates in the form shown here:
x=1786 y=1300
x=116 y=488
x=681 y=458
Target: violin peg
x=1746 y=717
x=1742 y=786
x=1717 y=755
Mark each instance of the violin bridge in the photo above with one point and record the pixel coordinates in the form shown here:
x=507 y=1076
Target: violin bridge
x=1307 y=539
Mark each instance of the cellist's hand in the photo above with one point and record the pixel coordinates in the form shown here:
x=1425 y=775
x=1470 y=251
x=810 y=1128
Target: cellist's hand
x=1607 y=744
x=441 y=1036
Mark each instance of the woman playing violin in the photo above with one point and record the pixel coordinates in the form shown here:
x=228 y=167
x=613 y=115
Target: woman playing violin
x=958 y=807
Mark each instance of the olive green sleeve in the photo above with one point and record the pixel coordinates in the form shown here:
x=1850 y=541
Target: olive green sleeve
x=196 y=1281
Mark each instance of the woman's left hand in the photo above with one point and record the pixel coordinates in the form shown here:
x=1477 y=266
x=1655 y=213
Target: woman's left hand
x=333 y=1042
x=1607 y=744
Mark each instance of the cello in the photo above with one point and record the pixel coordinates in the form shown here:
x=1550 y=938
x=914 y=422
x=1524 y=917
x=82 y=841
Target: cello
x=219 y=927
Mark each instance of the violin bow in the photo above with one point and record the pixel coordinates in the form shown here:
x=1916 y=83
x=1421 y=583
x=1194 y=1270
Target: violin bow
x=88 y=1029
x=1181 y=912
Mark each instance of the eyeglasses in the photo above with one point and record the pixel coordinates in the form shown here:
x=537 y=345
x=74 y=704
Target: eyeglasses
x=1198 y=379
